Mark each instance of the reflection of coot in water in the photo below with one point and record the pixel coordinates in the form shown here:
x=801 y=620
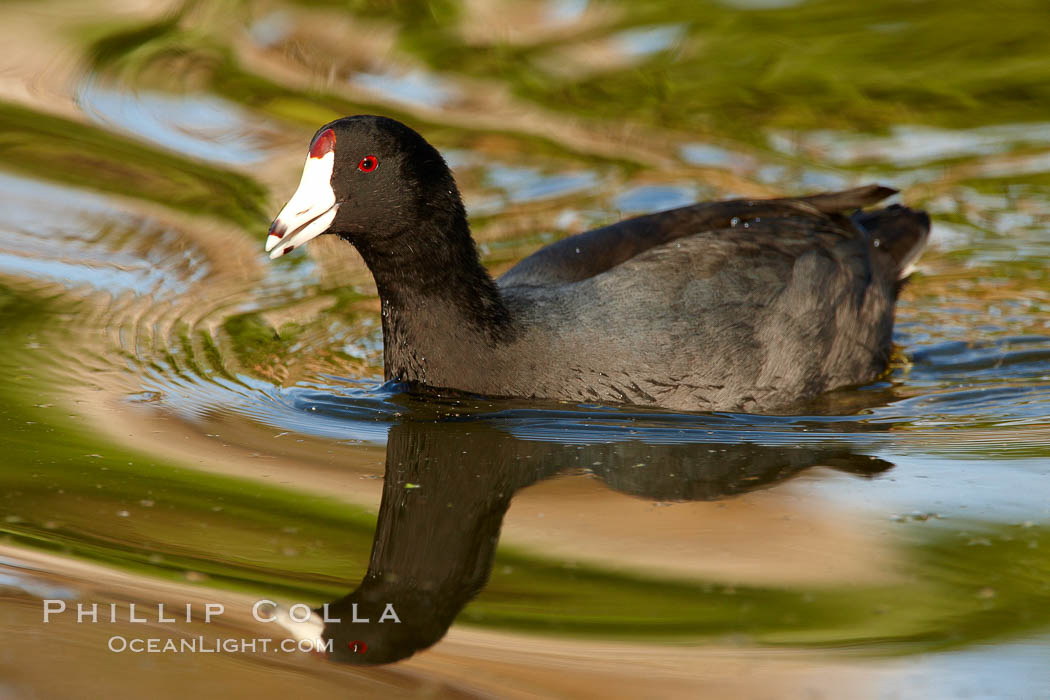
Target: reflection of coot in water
x=449 y=484
x=710 y=471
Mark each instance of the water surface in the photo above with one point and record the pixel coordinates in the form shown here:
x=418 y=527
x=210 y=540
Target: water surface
x=186 y=422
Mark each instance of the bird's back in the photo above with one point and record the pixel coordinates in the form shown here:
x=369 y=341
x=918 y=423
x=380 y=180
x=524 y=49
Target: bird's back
x=780 y=302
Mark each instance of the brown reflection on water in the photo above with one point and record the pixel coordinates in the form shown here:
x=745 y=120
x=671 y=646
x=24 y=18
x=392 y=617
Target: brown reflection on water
x=67 y=659
x=780 y=535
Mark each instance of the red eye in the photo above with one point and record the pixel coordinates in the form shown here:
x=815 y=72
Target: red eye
x=368 y=164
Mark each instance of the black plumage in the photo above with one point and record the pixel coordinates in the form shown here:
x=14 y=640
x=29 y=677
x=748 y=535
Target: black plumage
x=746 y=305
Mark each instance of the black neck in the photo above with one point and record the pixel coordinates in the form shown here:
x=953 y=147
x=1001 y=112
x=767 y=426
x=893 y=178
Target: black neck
x=440 y=306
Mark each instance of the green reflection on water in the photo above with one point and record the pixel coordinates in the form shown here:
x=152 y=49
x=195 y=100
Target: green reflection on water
x=809 y=65
x=815 y=65
x=143 y=54
x=70 y=491
x=987 y=581
x=61 y=150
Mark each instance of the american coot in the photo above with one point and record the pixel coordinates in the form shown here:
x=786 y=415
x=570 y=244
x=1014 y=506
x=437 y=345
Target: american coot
x=744 y=305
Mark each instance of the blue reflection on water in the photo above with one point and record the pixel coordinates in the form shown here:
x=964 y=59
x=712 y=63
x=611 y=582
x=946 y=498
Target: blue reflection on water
x=201 y=126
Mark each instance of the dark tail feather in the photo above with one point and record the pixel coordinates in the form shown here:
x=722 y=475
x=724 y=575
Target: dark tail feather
x=897 y=230
x=848 y=200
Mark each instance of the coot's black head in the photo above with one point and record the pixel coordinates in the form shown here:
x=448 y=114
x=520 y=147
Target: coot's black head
x=368 y=179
